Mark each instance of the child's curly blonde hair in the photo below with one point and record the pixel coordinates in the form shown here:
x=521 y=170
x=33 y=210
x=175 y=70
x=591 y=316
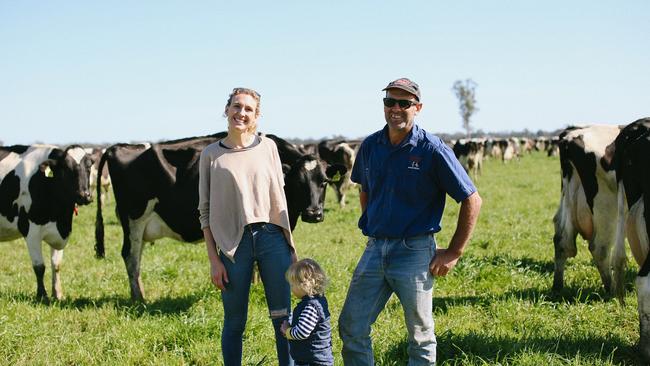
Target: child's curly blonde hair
x=307 y=275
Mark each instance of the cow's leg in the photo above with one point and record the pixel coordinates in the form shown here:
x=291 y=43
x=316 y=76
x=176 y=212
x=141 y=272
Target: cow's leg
x=57 y=259
x=637 y=235
x=600 y=249
x=132 y=258
x=603 y=231
x=338 y=189
x=33 y=240
x=564 y=240
x=643 y=296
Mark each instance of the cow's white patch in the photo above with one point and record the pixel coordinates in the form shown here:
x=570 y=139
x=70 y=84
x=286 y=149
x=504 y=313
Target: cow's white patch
x=50 y=235
x=8 y=164
x=157 y=228
x=29 y=164
x=77 y=153
x=596 y=137
x=311 y=165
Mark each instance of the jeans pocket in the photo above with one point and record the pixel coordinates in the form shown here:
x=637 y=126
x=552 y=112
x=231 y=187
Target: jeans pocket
x=420 y=243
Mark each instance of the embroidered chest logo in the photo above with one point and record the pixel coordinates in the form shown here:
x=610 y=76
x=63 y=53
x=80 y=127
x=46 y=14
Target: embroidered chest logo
x=414 y=162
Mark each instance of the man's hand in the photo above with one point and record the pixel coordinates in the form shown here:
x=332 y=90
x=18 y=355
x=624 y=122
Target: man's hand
x=219 y=275
x=443 y=262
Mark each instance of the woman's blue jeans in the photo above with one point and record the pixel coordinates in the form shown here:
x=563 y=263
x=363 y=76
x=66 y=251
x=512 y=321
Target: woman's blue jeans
x=265 y=244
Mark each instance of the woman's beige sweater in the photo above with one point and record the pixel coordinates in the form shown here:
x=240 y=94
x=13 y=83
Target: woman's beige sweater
x=239 y=187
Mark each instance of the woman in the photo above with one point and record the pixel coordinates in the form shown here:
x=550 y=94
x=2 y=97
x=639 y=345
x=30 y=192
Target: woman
x=243 y=214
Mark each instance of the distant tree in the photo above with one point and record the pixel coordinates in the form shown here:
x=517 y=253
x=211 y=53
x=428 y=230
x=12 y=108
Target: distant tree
x=465 y=92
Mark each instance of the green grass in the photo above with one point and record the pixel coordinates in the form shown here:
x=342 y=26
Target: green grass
x=495 y=308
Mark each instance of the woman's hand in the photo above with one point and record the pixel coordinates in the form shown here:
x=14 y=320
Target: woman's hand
x=283 y=328
x=219 y=275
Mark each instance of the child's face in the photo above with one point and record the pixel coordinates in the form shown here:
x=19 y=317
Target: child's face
x=297 y=291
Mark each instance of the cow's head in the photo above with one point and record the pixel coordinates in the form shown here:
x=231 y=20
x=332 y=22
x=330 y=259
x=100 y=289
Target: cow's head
x=70 y=171
x=306 y=182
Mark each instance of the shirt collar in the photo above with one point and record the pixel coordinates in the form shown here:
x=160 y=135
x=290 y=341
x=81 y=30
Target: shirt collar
x=411 y=138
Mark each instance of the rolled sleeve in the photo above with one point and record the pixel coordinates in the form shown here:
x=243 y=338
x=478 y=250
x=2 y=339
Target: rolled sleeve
x=451 y=175
x=204 y=190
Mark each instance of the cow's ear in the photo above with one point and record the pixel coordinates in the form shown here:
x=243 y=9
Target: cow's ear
x=47 y=166
x=335 y=171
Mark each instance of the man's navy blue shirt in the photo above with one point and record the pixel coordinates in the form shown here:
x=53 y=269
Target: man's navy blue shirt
x=407 y=184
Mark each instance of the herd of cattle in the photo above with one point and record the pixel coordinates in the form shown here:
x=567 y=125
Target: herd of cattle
x=472 y=152
x=605 y=185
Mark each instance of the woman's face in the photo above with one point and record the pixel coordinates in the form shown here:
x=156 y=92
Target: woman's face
x=242 y=113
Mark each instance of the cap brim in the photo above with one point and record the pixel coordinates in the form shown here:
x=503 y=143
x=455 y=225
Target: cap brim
x=410 y=91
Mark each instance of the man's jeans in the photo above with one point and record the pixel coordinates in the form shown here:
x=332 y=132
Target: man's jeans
x=390 y=265
x=266 y=244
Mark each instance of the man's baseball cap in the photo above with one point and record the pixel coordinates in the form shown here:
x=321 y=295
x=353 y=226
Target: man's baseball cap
x=406 y=85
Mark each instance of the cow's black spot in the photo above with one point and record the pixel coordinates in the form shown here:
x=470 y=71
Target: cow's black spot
x=9 y=191
x=573 y=151
x=23 y=222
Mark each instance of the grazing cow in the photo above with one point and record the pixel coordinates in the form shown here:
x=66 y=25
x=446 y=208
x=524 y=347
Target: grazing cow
x=470 y=155
x=542 y=143
x=338 y=152
x=588 y=199
x=507 y=150
x=527 y=145
x=629 y=156
x=39 y=188
x=156 y=193
x=554 y=147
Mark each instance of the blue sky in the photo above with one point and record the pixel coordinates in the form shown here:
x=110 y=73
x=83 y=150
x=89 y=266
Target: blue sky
x=118 y=71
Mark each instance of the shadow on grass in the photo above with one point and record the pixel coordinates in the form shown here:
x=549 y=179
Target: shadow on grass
x=480 y=349
x=506 y=261
x=569 y=295
x=159 y=307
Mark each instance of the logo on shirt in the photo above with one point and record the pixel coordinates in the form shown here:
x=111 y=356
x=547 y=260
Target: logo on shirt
x=414 y=162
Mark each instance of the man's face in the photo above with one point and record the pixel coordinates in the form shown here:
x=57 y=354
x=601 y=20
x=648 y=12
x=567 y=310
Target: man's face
x=400 y=119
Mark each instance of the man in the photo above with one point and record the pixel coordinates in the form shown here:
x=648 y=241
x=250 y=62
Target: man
x=404 y=173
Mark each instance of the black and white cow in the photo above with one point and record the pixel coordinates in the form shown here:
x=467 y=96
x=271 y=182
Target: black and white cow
x=629 y=156
x=588 y=200
x=156 y=193
x=338 y=152
x=39 y=188
x=470 y=155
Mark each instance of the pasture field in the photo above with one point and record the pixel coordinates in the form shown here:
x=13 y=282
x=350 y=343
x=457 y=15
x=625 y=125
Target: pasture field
x=495 y=308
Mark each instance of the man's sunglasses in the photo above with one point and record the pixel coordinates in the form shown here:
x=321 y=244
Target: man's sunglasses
x=403 y=103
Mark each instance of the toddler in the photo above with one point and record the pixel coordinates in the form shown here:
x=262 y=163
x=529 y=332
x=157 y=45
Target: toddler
x=310 y=331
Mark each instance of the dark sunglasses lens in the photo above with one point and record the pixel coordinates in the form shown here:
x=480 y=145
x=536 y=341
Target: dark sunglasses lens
x=404 y=103
x=389 y=102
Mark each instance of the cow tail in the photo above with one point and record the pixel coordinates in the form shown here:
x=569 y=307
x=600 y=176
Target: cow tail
x=618 y=257
x=99 y=219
